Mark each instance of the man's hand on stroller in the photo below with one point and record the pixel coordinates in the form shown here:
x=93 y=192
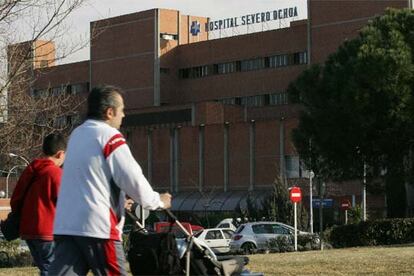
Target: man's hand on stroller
x=128 y=204
x=166 y=200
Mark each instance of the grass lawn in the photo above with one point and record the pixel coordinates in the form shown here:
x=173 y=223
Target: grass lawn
x=397 y=260
x=393 y=260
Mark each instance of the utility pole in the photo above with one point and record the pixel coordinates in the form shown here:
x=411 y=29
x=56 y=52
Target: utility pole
x=309 y=33
x=311 y=175
x=364 y=193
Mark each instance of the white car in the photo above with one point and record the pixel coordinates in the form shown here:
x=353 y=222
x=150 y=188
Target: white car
x=217 y=239
x=227 y=224
x=253 y=236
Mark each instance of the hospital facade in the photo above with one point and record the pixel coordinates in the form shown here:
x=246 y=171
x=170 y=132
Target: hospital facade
x=209 y=118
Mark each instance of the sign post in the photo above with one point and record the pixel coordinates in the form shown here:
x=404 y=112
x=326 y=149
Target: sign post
x=295 y=196
x=345 y=205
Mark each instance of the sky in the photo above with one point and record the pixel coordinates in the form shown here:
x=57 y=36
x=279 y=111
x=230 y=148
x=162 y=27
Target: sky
x=94 y=10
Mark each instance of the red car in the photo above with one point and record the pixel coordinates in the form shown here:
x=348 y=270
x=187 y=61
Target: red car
x=165 y=226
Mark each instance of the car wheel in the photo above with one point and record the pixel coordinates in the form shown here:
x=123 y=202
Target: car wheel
x=248 y=248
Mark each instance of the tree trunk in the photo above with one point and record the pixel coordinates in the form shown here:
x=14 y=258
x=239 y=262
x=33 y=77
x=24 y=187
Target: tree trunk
x=395 y=191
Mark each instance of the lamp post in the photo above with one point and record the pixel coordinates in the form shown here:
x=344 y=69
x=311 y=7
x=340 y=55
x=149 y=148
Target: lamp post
x=7 y=178
x=19 y=156
x=364 y=194
x=311 y=175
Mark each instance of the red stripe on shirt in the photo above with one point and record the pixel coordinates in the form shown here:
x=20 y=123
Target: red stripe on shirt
x=113 y=267
x=114 y=232
x=116 y=141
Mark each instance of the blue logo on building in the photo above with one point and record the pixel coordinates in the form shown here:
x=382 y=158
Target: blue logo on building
x=195 y=28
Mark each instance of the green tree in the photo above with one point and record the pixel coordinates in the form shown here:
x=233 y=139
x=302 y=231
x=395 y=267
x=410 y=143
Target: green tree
x=359 y=108
x=278 y=207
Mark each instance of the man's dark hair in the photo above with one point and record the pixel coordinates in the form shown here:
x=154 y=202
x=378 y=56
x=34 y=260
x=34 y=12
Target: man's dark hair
x=53 y=143
x=100 y=99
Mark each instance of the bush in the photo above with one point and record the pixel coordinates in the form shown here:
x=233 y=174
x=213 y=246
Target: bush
x=12 y=255
x=375 y=232
x=286 y=243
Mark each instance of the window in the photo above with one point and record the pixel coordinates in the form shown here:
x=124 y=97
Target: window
x=252 y=64
x=292 y=166
x=303 y=58
x=240 y=229
x=229 y=101
x=184 y=73
x=204 y=70
x=40 y=93
x=56 y=91
x=225 y=68
x=214 y=235
x=78 y=88
x=164 y=70
x=260 y=229
x=228 y=234
x=280 y=230
x=278 y=61
x=253 y=100
x=278 y=99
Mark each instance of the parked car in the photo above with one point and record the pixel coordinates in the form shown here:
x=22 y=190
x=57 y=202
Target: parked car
x=253 y=236
x=217 y=239
x=227 y=223
x=165 y=227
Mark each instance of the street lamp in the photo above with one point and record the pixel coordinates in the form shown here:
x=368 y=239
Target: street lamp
x=311 y=176
x=19 y=156
x=364 y=193
x=7 y=178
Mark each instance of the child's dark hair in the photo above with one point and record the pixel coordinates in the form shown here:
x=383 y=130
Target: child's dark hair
x=53 y=143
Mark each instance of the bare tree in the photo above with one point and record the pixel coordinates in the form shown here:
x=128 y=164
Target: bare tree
x=26 y=115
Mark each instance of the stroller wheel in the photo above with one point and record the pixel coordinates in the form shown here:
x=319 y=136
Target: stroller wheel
x=248 y=248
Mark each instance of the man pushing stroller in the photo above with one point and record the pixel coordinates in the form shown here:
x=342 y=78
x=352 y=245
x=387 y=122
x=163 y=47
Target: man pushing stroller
x=99 y=170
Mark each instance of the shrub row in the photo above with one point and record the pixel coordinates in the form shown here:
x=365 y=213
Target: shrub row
x=375 y=232
x=286 y=243
x=12 y=255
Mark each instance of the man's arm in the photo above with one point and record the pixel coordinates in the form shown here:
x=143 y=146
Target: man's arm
x=128 y=175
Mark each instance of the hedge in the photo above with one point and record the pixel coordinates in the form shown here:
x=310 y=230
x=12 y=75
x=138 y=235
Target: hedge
x=373 y=232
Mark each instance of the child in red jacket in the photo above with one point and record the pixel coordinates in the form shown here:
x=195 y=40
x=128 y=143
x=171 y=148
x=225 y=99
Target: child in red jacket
x=38 y=205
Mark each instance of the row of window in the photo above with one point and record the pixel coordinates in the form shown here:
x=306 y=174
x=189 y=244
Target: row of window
x=244 y=65
x=258 y=100
x=67 y=120
x=69 y=89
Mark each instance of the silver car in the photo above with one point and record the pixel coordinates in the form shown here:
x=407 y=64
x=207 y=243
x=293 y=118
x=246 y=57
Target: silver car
x=253 y=236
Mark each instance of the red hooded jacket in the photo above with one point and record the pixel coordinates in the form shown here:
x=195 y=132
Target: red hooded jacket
x=37 y=209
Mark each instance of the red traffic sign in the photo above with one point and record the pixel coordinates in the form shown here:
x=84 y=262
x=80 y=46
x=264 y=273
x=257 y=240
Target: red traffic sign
x=295 y=194
x=345 y=204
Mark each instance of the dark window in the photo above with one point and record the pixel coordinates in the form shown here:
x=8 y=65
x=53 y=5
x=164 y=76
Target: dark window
x=184 y=73
x=296 y=58
x=158 y=118
x=215 y=68
x=164 y=70
x=238 y=101
x=214 y=235
x=278 y=229
x=266 y=62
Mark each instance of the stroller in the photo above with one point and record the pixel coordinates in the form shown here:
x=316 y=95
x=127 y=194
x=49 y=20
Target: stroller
x=163 y=254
